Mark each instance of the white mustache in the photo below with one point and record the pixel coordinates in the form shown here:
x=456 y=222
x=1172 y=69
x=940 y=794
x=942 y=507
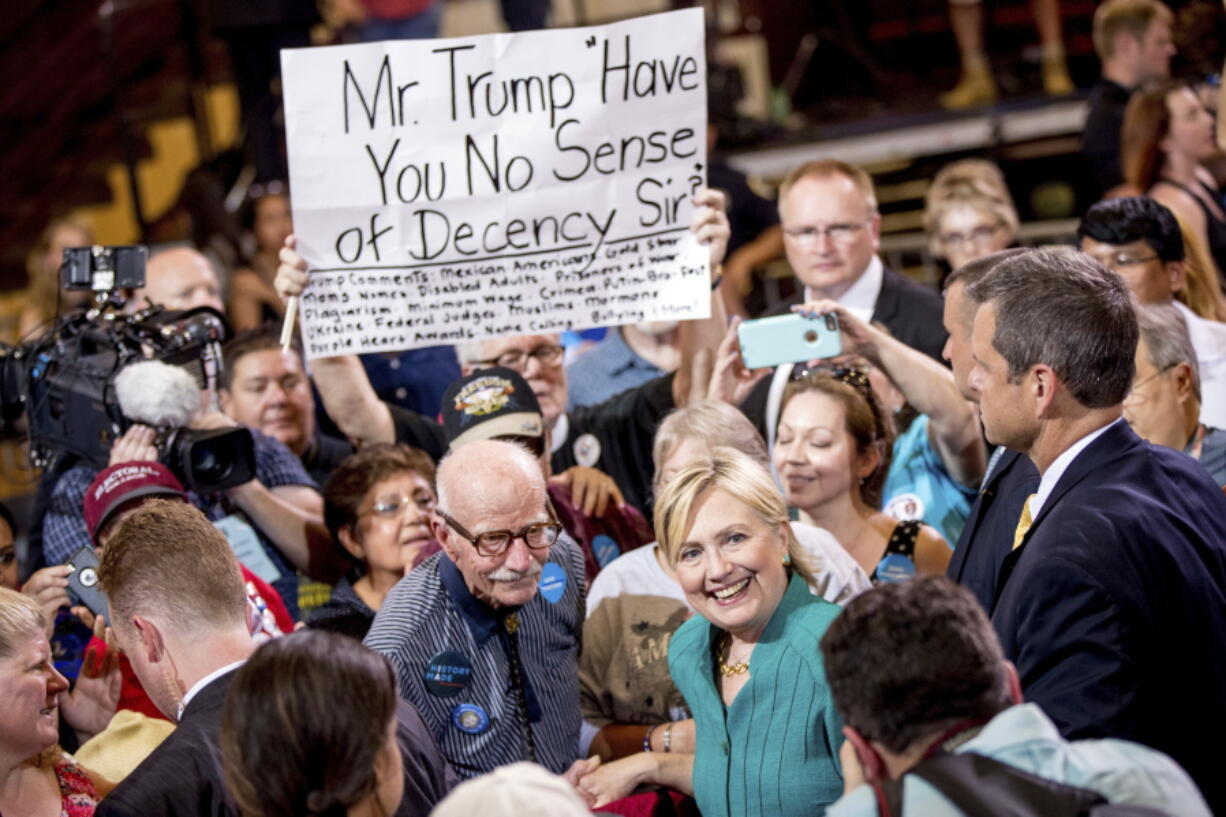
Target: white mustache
x=504 y=574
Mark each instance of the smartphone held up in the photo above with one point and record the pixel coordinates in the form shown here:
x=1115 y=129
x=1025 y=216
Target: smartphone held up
x=789 y=339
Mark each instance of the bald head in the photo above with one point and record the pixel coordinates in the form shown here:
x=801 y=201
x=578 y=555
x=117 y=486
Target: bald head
x=489 y=475
x=181 y=278
x=486 y=487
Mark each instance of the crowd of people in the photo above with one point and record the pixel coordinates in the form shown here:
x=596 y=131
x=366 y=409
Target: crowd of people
x=976 y=558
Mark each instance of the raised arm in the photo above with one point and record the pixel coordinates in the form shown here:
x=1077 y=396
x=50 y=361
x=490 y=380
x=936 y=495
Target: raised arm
x=927 y=385
x=700 y=338
x=342 y=381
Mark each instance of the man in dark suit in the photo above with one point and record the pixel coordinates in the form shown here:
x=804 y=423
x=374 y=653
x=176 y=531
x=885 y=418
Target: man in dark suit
x=179 y=611
x=987 y=536
x=1112 y=603
x=831 y=234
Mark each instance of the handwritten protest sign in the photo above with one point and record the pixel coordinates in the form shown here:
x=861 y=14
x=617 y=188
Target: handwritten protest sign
x=464 y=189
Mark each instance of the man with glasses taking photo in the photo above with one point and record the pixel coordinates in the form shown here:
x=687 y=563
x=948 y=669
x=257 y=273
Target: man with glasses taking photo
x=831 y=234
x=484 y=636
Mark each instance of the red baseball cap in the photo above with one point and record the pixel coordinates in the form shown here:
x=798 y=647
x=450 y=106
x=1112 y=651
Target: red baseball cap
x=120 y=484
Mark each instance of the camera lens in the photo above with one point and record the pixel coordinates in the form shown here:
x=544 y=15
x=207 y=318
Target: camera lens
x=207 y=465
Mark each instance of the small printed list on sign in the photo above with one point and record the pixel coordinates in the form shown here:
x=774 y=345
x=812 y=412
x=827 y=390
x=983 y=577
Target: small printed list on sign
x=465 y=189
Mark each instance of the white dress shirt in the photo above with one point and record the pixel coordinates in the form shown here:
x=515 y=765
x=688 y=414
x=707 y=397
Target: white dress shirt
x=203 y=682
x=1061 y=464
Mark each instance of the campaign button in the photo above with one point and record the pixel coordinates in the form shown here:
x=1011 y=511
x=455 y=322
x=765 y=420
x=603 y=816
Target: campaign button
x=470 y=719
x=447 y=673
x=553 y=582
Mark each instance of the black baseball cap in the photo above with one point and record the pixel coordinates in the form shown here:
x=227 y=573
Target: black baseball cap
x=491 y=403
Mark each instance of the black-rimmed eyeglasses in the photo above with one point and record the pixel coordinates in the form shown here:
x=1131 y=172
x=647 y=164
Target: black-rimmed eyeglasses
x=538 y=536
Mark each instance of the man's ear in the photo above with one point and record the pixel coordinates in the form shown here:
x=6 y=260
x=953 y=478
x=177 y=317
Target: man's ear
x=1182 y=372
x=152 y=643
x=350 y=543
x=870 y=761
x=225 y=402
x=1043 y=384
x=1177 y=272
x=442 y=534
x=1014 y=681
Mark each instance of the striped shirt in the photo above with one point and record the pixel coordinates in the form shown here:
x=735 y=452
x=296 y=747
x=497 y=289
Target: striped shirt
x=430 y=625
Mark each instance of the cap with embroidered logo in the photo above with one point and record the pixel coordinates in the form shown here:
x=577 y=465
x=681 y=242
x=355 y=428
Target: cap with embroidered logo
x=488 y=403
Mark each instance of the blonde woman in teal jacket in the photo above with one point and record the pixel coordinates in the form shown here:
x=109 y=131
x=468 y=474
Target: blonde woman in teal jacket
x=766 y=731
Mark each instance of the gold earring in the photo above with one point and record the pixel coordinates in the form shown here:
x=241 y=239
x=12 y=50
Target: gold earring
x=787 y=559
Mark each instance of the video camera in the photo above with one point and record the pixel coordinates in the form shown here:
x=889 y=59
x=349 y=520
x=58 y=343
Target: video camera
x=64 y=381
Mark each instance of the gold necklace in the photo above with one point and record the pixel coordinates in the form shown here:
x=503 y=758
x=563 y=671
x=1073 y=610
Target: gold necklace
x=729 y=670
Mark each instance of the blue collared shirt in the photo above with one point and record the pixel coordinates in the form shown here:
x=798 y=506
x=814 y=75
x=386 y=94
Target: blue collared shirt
x=606 y=370
x=1023 y=737
x=431 y=612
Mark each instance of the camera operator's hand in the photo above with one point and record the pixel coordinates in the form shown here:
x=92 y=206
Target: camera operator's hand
x=208 y=420
x=136 y=445
x=292 y=272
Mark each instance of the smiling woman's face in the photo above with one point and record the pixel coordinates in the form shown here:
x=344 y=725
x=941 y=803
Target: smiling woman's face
x=730 y=564
x=30 y=685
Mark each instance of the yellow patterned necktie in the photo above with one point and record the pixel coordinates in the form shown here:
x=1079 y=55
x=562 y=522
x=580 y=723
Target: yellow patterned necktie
x=1023 y=524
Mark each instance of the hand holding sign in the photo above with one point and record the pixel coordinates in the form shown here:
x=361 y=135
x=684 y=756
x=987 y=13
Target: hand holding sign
x=710 y=224
x=449 y=190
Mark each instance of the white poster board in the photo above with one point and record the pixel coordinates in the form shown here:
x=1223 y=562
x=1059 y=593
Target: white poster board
x=464 y=189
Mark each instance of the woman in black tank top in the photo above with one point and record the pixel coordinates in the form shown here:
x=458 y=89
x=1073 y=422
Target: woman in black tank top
x=832 y=452
x=1167 y=134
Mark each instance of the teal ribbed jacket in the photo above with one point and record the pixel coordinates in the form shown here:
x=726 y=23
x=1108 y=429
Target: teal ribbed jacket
x=774 y=751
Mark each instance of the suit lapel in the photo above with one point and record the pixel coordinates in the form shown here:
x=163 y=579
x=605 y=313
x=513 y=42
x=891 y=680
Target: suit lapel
x=1112 y=444
x=987 y=495
x=211 y=697
x=887 y=300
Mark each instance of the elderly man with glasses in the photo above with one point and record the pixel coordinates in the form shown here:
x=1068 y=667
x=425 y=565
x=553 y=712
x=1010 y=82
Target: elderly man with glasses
x=484 y=636
x=1163 y=405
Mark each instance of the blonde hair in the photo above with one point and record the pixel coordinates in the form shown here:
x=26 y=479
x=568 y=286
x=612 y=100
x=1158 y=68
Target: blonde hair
x=20 y=617
x=827 y=168
x=975 y=183
x=737 y=474
x=712 y=422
